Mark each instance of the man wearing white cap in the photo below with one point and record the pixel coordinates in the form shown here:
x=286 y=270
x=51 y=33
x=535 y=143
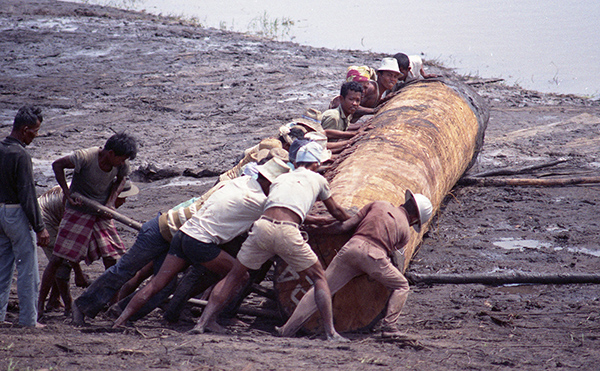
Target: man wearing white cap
x=277 y=232
x=380 y=229
x=227 y=213
x=387 y=76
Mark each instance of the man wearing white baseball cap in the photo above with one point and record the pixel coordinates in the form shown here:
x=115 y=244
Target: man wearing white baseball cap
x=277 y=232
x=380 y=229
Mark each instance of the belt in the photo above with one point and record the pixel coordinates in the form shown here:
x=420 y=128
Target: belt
x=10 y=206
x=282 y=222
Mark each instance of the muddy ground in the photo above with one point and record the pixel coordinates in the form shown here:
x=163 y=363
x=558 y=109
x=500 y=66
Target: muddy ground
x=195 y=98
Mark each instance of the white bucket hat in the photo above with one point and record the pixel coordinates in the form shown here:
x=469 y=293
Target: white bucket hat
x=389 y=64
x=311 y=152
x=273 y=168
x=423 y=206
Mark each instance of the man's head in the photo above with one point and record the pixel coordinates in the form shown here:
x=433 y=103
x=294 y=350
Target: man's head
x=295 y=146
x=311 y=155
x=350 y=96
x=121 y=147
x=287 y=135
x=269 y=171
x=27 y=124
x=419 y=209
x=403 y=63
x=388 y=73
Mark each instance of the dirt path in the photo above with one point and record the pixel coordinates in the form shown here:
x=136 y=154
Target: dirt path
x=197 y=97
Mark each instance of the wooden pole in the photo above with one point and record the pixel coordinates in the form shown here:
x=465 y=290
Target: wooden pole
x=485 y=182
x=522 y=170
x=107 y=211
x=256 y=312
x=504 y=278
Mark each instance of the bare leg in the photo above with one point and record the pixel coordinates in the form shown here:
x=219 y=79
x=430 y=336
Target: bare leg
x=54 y=298
x=323 y=301
x=338 y=274
x=65 y=293
x=135 y=281
x=171 y=266
x=47 y=281
x=221 y=294
x=81 y=279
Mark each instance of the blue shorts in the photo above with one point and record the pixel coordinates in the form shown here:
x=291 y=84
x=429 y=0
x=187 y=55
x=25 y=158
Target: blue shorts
x=193 y=251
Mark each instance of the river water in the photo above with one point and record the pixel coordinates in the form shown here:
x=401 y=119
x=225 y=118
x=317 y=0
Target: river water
x=548 y=46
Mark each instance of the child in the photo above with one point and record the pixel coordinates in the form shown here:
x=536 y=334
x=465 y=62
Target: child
x=99 y=175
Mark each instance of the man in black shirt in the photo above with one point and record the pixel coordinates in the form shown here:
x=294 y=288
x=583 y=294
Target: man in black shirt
x=19 y=214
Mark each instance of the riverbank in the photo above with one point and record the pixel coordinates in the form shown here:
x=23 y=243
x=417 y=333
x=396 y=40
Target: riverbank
x=197 y=97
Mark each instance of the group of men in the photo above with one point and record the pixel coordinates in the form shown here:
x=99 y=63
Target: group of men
x=268 y=195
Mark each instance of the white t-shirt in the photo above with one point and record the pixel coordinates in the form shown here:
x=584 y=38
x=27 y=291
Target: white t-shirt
x=416 y=63
x=298 y=190
x=228 y=212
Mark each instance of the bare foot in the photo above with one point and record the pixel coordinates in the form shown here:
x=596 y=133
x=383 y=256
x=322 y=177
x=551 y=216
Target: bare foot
x=197 y=330
x=39 y=325
x=215 y=327
x=78 y=316
x=82 y=280
x=337 y=338
x=279 y=331
x=212 y=326
x=282 y=333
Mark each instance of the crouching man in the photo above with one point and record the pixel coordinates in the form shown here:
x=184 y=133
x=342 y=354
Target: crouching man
x=379 y=230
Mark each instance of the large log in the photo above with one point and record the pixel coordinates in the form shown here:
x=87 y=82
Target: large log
x=424 y=139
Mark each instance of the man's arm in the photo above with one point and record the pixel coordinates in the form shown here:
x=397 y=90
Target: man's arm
x=338 y=134
x=336 y=210
x=28 y=200
x=427 y=75
x=59 y=167
x=116 y=188
x=345 y=226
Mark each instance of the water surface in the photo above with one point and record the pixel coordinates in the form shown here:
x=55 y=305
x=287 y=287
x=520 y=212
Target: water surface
x=549 y=46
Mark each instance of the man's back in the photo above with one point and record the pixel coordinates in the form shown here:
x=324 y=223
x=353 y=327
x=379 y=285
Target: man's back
x=228 y=212
x=298 y=191
x=384 y=224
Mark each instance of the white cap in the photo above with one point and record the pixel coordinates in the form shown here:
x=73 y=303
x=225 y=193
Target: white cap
x=423 y=206
x=389 y=64
x=311 y=152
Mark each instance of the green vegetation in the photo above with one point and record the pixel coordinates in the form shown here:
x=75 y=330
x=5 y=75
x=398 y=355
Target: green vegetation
x=271 y=28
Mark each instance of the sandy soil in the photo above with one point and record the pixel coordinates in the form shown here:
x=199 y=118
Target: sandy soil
x=195 y=98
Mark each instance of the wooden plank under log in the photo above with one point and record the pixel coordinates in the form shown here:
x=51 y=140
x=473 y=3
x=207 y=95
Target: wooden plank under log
x=423 y=139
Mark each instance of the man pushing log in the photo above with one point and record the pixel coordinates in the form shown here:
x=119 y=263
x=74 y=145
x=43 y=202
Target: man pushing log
x=380 y=229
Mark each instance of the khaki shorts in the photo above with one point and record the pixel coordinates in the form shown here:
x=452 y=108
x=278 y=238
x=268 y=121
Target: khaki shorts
x=269 y=238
